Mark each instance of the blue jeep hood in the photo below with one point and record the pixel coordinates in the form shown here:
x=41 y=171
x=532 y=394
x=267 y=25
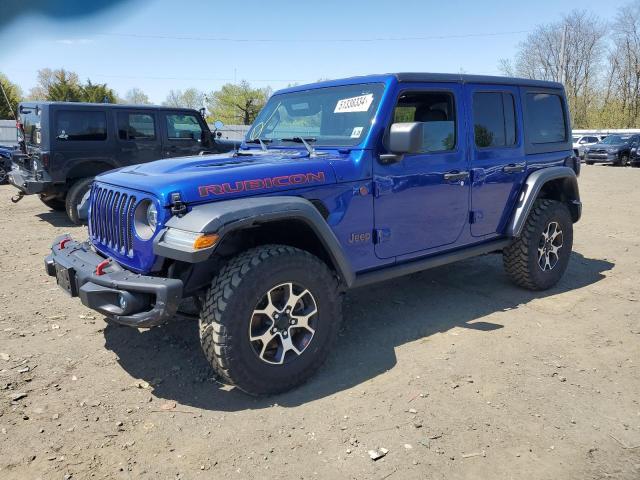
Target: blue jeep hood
x=220 y=177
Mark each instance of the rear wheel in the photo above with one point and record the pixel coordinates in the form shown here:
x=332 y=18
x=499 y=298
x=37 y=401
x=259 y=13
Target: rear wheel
x=270 y=318
x=74 y=199
x=624 y=160
x=539 y=257
x=54 y=203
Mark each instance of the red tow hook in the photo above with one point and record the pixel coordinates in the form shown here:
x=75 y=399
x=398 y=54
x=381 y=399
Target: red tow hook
x=63 y=242
x=101 y=266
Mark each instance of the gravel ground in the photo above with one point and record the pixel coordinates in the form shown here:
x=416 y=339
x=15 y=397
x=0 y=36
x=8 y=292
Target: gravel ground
x=454 y=371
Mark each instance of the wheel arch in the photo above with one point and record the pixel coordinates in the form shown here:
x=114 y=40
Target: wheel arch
x=554 y=183
x=246 y=223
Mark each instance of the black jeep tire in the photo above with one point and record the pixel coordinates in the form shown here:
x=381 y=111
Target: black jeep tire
x=74 y=197
x=4 y=175
x=624 y=160
x=524 y=257
x=54 y=203
x=589 y=162
x=228 y=318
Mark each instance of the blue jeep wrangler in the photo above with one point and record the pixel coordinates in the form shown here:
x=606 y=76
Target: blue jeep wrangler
x=337 y=185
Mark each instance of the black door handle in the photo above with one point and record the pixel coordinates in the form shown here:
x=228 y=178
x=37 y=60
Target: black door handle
x=513 y=168
x=456 y=176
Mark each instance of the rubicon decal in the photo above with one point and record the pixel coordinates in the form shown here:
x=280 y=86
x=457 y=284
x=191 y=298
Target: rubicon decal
x=261 y=184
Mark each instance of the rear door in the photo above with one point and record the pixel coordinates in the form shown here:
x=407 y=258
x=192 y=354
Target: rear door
x=183 y=133
x=138 y=139
x=498 y=160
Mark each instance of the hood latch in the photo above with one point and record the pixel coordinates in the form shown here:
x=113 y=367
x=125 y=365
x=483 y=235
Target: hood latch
x=178 y=207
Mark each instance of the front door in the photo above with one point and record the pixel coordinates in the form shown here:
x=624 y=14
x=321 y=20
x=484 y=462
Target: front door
x=498 y=160
x=183 y=134
x=422 y=201
x=138 y=139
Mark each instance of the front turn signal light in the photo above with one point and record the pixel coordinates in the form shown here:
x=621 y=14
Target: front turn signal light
x=205 y=241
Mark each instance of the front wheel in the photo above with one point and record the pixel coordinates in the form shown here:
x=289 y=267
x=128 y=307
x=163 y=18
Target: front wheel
x=539 y=257
x=270 y=318
x=54 y=203
x=74 y=199
x=624 y=160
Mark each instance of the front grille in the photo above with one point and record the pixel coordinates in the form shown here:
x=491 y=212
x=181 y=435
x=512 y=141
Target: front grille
x=111 y=219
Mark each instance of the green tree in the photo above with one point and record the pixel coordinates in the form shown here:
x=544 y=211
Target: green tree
x=13 y=93
x=136 y=96
x=96 y=93
x=64 y=87
x=189 y=98
x=237 y=104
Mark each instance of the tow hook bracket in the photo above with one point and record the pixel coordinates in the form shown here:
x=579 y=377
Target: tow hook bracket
x=17 y=198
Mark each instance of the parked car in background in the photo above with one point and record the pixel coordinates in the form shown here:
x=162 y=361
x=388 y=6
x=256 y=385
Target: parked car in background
x=614 y=149
x=67 y=144
x=634 y=158
x=6 y=152
x=580 y=142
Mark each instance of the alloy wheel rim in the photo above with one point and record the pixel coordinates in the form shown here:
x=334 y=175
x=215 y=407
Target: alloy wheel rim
x=283 y=323
x=551 y=241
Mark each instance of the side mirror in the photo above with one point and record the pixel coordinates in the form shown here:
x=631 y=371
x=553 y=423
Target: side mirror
x=406 y=137
x=403 y=138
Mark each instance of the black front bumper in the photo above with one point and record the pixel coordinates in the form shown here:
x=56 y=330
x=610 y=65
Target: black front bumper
x=27 y=182
x=119 y=294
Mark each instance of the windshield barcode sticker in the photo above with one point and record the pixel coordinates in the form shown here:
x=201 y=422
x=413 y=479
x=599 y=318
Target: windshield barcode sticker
x=354 y=104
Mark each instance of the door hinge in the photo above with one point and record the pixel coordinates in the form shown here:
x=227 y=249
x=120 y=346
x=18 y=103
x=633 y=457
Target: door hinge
x=381 y=235
x=475 y=216
x=382 y=186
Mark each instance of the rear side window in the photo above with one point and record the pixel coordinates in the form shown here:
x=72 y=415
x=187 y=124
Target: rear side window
x=136 y=126
x=494 y=119
x=546 y=121
x=81 y=125
x=183 y=127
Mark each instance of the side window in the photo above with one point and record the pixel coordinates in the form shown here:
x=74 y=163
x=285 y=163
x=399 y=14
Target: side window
x=546 y=121
x=592 y=140
x=136 y=126
x=183 y=127
x=437 y=111
x=81 y=125
x=494 y=123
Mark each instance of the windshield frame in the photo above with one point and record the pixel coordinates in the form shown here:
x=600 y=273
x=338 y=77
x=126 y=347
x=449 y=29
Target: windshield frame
x=377 y=88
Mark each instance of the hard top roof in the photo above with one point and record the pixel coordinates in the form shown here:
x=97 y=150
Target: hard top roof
x=424 y=77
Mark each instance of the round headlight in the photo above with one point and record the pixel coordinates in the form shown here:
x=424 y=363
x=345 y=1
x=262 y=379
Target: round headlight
x=152 y=216
x=145 y=219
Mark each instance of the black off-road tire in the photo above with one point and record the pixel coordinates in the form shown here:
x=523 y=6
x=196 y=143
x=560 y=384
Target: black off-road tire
x=74 y=197
x=229 y=305
x=56 y=204
x=521 y=257
x=624 y=160
x=589 y=162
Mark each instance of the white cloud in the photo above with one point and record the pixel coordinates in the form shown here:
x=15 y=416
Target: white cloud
x=74 y=41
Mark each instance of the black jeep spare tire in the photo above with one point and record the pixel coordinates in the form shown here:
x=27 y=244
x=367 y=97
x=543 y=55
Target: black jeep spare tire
x=269 y=318
x=74 y=198
x=539 y=257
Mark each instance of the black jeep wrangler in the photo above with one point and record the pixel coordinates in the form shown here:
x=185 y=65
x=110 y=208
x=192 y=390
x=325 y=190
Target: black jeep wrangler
x=65 y=145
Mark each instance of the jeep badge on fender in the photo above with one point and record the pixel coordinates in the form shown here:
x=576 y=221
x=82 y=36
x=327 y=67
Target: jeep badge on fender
x=327 y=193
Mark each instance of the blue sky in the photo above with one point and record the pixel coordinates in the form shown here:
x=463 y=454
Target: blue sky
x=273 y=43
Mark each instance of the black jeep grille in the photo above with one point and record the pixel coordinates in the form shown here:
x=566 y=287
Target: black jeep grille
x=111 y=219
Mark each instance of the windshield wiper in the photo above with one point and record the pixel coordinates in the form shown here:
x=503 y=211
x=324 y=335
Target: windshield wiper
x=262 y=143
x=304 y=141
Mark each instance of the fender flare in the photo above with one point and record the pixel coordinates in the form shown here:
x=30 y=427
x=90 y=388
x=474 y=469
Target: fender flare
x=531 y=189
x=231 y=215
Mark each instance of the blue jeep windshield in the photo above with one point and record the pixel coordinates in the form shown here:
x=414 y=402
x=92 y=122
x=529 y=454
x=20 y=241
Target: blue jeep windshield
x=332 y=116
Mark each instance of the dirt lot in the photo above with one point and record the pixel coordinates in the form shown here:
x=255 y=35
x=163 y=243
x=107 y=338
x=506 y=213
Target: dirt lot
x=455 y=371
